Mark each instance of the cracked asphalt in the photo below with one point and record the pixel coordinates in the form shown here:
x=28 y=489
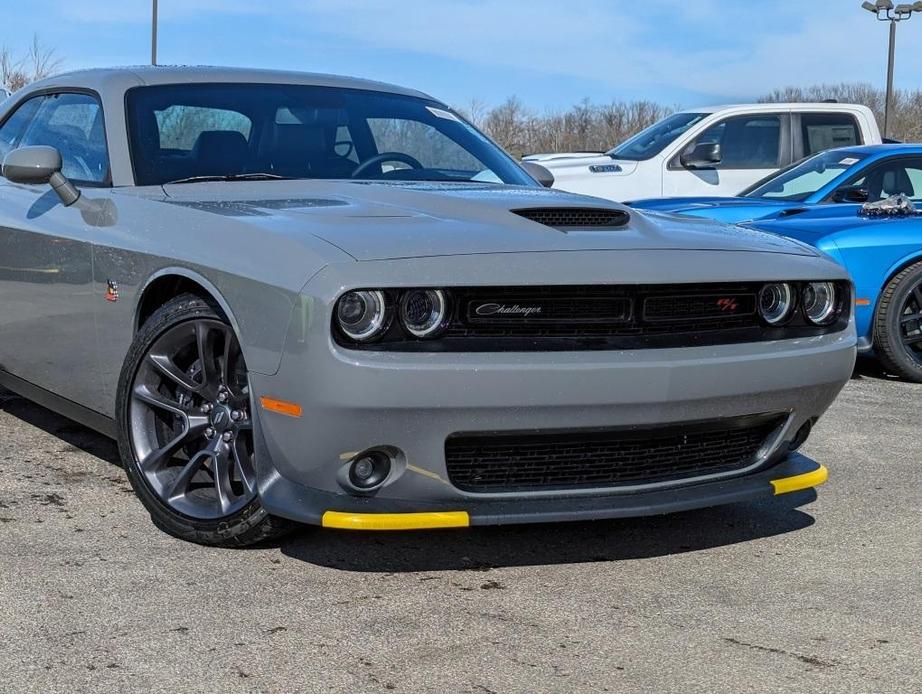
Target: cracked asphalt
x=793 y=594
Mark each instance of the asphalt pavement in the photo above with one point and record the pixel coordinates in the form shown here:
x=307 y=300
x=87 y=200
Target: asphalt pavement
x=793 y=594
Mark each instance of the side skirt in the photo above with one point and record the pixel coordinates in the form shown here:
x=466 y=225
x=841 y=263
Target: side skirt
x=67 y=408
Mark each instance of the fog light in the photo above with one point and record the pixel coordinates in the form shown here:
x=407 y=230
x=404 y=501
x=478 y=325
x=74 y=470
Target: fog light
x=370 y=469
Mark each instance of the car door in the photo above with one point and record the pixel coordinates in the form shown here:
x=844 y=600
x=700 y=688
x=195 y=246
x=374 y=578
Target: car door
x=47 y=322
x=751 y=147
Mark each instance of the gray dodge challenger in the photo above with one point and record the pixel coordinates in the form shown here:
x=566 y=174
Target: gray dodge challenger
x=304 y=298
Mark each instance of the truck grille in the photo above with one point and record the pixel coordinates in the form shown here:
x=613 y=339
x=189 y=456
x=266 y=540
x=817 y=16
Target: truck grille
x=574 y=460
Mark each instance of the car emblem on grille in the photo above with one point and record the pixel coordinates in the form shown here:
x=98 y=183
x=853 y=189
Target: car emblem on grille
x=506 y=310
x=727 y=304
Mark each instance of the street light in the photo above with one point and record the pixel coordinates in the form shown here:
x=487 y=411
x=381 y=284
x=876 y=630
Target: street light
x=153 y=33
x=886 y=12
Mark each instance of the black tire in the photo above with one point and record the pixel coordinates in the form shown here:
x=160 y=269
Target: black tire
x=246 y=523
x=897 y=334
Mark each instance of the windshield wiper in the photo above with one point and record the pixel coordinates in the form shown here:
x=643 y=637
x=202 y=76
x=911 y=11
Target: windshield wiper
x=231 y=177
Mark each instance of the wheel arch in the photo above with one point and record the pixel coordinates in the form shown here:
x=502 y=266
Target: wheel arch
x=895 y=269
x=168 y=283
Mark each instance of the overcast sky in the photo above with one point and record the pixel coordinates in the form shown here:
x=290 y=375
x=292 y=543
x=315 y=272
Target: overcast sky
x=550 y=53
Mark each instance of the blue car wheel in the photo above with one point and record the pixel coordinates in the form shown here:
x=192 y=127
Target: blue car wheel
x=898 y=324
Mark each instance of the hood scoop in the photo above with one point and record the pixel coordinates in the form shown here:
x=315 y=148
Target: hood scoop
x=571 y=218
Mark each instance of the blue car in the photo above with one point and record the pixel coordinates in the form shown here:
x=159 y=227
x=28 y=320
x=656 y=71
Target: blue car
x=820 y=201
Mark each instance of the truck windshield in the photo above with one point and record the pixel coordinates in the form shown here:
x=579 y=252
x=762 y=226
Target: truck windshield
x=237 y=132
x=653 y=140
x=803 y=179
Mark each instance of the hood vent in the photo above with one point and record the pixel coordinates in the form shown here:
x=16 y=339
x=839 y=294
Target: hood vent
x=568 y=218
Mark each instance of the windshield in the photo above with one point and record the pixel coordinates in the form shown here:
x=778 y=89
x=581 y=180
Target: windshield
x=799 y=181
x=651 y=141
x=249 y=131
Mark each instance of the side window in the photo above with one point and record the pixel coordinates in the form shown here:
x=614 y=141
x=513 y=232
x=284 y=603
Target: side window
x=899 y=176
x=12 y=130
x=72 y=124
x=822 y=131
x=746 y=142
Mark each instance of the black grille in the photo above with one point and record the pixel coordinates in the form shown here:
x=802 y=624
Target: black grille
x=575 y=217
x=574 y=460
x=600 y=317
x=602 y=311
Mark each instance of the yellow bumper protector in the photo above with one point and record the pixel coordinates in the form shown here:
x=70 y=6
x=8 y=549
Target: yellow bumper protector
x=395 y=521
x=798 y=482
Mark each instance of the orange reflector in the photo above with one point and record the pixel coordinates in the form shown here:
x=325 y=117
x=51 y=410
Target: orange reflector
x=292 y=409
x=862 y=302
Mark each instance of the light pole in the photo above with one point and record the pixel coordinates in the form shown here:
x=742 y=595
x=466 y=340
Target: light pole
x=153 y=33
x=886 y=12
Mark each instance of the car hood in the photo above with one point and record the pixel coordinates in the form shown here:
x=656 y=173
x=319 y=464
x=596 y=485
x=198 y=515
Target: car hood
x=377 y=221
x=813 y=222
x=725 y=209
x=578 y=163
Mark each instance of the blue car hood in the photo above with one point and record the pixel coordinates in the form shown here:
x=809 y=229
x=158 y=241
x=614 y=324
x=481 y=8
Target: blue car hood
x=730 y=210
x=810 y=223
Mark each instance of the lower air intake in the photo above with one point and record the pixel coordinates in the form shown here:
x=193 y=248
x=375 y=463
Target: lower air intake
x=581 y=460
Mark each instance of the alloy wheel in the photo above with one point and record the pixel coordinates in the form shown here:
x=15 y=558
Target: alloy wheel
x=189 y=421
x=911 y=324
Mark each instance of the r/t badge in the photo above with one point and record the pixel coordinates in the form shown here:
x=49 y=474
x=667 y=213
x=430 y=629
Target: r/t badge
x=111 y=290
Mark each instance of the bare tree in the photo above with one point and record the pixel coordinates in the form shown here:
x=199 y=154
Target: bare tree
x=39 y=61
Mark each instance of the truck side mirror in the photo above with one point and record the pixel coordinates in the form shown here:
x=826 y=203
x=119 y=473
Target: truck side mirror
x=37 y=165
x=539 y=173
x=705 y=155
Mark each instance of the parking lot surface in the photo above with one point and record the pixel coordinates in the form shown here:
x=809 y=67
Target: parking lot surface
x=791 y=594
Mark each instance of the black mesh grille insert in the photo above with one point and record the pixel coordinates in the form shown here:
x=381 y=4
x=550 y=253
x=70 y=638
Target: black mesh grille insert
x=574 y=460
x=575 y=217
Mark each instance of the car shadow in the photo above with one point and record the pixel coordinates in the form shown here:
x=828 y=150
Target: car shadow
x=69 y=431
x=483 y=548
x=868 y=367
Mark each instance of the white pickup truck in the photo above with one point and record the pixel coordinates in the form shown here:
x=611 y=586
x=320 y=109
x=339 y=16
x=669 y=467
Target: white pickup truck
x=717 y=150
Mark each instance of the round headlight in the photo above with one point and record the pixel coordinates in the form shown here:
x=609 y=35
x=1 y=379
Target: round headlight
x=362 y=315
x=424 y=312
x=819 y=300
x=775 y=302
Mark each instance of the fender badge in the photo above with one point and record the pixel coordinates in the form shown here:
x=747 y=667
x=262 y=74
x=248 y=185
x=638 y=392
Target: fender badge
x=111 y=290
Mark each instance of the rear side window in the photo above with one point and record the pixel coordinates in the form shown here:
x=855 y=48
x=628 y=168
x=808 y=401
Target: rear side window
x=180 y=125
x=15 y=126
x=822 y=131
x=746 y=142
x=72 y=124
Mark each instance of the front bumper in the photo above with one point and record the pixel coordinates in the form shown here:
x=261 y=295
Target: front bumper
x=796 y=473
x=353 y=401
x=348 y=401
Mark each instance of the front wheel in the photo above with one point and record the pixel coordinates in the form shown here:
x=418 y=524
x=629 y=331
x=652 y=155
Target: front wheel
x=898 y=325
x=186 y=431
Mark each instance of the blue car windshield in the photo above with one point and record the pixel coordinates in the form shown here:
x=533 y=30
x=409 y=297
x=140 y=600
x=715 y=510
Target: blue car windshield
x=235 y=131
x=653 y=140
x=803 y=179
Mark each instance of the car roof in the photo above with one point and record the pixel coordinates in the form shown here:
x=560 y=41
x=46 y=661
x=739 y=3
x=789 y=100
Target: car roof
x=883 y=150
x=102 y=79
x=783 y=106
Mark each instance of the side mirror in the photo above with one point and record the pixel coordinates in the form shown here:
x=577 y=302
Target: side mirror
x=539 y=173
x=851 y=194
x=704 y=156
x=37 y=165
